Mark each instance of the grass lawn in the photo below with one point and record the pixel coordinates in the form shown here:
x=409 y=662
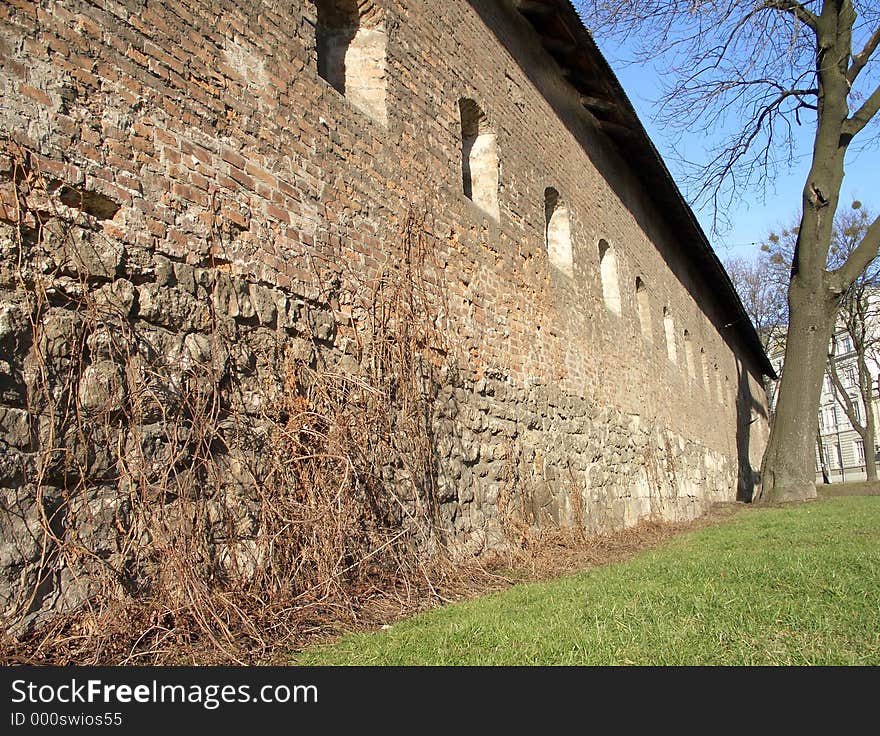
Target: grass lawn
x=853 y=488
x=775 y=586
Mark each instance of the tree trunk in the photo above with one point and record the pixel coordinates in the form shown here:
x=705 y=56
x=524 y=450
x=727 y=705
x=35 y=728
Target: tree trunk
x=868 y=443
x=867 y=392
x=788 y=472
x=821 y=449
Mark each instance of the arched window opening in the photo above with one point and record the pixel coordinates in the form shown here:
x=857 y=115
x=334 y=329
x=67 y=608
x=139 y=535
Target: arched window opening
x=558 y=232
x=479 y=159
x=669 y=330
x=644 y=307
x=689 y=354
x=351 y=50
x=719 y=387
x=608 y=273
x=704 y=369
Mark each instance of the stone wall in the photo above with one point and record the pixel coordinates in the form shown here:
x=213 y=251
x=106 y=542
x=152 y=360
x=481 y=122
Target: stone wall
x=198 y=228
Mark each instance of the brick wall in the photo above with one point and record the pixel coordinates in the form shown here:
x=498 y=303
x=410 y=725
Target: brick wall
x=213 y=177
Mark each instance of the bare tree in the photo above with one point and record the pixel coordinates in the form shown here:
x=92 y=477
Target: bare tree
x=768 y=66
x=761 y=285
x=855 y=341
x=858 y=323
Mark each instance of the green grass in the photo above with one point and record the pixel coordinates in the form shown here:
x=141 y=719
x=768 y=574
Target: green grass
x=787 y=586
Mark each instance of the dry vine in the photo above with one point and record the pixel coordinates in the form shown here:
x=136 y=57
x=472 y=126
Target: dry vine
x=231 y=495
x=237 y=533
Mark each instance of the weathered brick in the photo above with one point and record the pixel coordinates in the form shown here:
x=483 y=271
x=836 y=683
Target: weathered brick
x=233 y=158
x=209 y=126
x=35 y=94
x=277 y=213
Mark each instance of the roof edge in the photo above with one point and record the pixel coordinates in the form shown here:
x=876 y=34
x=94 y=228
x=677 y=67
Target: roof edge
x=625 y=121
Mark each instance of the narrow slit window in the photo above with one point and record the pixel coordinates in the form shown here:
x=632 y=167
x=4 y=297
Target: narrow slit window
x=689 y=354
x=608 y=273
x=704 y=369
x=558 y=232
x=669 y=330
x=351 y=50
x=479 y=159
x=643 y=302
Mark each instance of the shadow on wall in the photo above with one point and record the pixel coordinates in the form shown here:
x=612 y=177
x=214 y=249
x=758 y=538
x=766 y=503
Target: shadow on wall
x=337 y=26
x=749 y=417
x=507 y=25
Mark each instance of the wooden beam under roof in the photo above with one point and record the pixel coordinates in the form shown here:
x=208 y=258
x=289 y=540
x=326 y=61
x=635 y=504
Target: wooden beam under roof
x=616 y=129
x=598 y=104
x=533 y=7
x=558 y=45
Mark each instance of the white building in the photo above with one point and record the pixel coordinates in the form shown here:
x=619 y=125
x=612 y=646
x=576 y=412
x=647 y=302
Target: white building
x=842 y=449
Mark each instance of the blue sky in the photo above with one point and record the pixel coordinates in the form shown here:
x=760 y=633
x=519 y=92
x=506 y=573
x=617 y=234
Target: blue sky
x=757 y=213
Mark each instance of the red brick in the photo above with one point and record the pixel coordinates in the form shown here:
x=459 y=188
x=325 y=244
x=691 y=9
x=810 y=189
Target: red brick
x=233 y=158
x=164 y=136
x=35 y=94
x=242 y=179
x=233 y=214
x=135 y=55
x=277 y=213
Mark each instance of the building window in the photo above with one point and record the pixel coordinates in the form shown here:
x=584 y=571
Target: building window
x=831 y=457
x=831 y=421
x=821 y=421
x=352 y=54
x=856 y=407
x=669 y=331
x=608 y=273
x=557 y=230
x=849 y=376
x=643 y=302
x=479 y=159
x=859 y=449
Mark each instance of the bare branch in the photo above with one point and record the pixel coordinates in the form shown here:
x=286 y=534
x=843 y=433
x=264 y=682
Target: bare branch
x=860 y=59
x=861 y=117
x=796 y=9
x=858 y=260
x=842 y=396
x=723 y=164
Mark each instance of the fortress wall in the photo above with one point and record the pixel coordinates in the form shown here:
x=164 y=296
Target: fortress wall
x=186 y=199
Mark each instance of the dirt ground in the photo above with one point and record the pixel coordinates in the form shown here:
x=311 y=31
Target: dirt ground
x=275 y=633
x=863 y=488
x=540 y=555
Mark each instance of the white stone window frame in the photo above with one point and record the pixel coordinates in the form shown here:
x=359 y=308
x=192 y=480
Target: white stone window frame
x=557 y=232
x=480 y=159
x=351 y=50
x=669 y=334
x=643 y=309
x=609 y=275
x=689 y=354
